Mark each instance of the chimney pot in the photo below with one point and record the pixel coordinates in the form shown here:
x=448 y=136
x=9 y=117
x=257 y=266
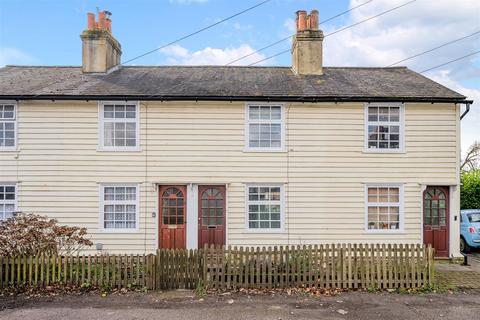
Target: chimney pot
x=302 y=20
x=90 y=21
x=313 y=20
x=108 y=25
x=101 y=20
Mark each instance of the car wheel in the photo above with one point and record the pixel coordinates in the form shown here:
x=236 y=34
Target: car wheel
x=464 y=247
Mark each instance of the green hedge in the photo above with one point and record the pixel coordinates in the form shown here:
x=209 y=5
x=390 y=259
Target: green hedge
x=470 y=190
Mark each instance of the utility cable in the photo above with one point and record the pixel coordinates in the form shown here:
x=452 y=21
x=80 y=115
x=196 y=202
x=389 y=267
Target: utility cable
x=339 y=30
x=290 y=36
x=433 y=49
x=196 y=32
x=451 y=61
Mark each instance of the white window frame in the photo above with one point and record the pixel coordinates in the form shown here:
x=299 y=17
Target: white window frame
x=15 y=121
x=282 y=208
x=401 y=123
x=401 y=214
x=101 y=126
x=102 y=201
x=15 y=201
x=247 y=147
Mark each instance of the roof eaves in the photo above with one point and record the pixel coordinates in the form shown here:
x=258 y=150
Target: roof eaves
x=240 y=98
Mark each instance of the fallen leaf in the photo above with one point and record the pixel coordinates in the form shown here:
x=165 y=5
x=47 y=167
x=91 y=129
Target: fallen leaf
x=342 y=312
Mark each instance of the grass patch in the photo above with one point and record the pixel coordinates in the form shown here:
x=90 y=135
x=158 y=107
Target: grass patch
x=200 y=289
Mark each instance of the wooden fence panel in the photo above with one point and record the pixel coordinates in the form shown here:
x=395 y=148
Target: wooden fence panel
x=323 y=266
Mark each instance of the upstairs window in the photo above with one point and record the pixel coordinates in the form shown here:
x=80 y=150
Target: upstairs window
x=384 y=127
x=265 y=128
x=7 y=126
x=8 y=201
x=119 y=126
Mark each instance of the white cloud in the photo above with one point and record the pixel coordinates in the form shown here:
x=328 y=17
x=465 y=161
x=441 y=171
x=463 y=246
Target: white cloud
x=409 y=30
x=469 y=124
x=406 y=31
x=177 y=54
x=241 y=27
x=175 y=51
x=11 y=55
x=289 y=24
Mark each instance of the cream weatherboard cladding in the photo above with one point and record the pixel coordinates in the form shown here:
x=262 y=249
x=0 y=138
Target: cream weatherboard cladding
x=324 y=169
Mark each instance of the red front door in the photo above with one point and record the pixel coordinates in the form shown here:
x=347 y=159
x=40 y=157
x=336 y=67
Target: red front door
x=172 y=217
x=435 y=219
x=211 y=215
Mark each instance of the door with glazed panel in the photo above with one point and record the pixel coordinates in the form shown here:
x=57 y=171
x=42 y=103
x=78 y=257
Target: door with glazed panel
x=435 y=219
x=211 y=215
x=172 y=217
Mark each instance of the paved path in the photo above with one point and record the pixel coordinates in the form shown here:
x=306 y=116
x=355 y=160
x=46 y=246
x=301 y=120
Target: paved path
x=355 y=305
x=458 y=276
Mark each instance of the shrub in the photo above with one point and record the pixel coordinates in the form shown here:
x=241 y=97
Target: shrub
x=470 y=189
x=31 y=234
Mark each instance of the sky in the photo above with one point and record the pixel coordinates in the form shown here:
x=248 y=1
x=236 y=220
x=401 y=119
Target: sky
x=46 y=32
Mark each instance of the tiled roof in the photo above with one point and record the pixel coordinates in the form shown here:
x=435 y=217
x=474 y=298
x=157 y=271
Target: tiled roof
x=218 y=82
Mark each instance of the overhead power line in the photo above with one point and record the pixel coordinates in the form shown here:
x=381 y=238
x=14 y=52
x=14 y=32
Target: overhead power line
x=433 y=49
x=451 y=61
x=290 y=36
x=196 y=32
x=339 y=30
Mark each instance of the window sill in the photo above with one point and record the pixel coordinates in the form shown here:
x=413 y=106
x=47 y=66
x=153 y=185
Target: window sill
x=387 y=151
x=260 y=150
x=110 y=231
x=385 y=232
x=264 y=231
x=12 y=149
x=119 y=150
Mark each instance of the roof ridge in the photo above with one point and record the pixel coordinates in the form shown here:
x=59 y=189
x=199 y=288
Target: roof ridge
x=202 y=66
x=353 y=67
x=27 y=66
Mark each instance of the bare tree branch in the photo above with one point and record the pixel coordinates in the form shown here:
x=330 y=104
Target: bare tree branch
x=472 y=158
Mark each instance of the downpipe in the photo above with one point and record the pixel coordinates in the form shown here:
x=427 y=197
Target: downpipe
x=467 y=109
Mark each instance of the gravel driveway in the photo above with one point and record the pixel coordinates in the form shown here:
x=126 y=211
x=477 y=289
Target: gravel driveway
x=179 y=305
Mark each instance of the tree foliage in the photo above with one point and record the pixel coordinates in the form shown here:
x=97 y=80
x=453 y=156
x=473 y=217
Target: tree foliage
x=470 y=189
x=31 y=234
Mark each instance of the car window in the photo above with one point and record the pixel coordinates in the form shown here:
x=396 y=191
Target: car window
x=474 y=217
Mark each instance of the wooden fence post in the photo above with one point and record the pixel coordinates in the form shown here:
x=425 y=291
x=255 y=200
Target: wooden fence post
x=1 y=272
x=431 y=265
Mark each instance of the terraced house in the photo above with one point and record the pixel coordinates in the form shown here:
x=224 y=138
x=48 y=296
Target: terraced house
x=153 y=157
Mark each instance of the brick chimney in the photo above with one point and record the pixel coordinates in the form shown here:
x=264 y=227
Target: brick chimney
x=100 y=50
x=307 y=44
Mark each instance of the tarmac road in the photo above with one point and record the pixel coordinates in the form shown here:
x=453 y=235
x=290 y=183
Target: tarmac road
x=183 y=305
